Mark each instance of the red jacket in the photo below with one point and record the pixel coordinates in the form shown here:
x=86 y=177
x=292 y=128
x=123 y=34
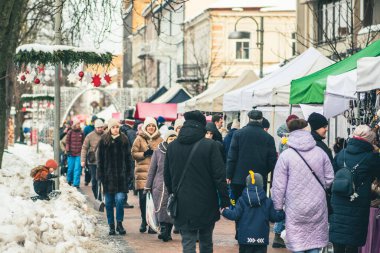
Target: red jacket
x=74 y=141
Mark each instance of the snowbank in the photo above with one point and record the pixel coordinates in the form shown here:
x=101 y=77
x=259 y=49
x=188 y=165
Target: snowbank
x=65 y=224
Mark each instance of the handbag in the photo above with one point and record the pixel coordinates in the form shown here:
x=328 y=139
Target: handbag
x=172 y=207
x=99 y=203
x=327 y=193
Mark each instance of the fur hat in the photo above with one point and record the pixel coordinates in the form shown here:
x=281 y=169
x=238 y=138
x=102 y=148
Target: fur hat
x=364 y=132
x=51 y=164
x=98 y=123
x=178 y=123
x=317 y=121
x=235 y=124
x=147 y=121
x=196 y=116
x=255 y=115
x=168 y=134
x=257 y=179
x=113 y=122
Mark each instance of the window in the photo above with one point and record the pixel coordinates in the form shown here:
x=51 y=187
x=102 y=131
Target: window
x=242 y=50
x=334 y=19
x=371 y=12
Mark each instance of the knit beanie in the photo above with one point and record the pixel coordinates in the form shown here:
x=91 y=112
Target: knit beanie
x=317 y=121
x=98 y=123
x=51 y=164
x=265 y=123
x=168 y=134
x=258 y=179
x=178 y=123
x=196 y=116
x=291 y=117
x=161 y=119
x=149 y=120
x=364 y=132
x=255 y=115
x=113 y=122
x=93 y=118
x=235 y=124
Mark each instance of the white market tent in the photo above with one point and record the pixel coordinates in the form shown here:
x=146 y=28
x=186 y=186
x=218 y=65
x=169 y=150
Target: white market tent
x=261 y=92
x=171 y=94
x=368 y=74
x=106 y=114
x=214 y=101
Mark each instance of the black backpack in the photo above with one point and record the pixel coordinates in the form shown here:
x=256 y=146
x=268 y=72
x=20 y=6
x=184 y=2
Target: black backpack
x=344 y=184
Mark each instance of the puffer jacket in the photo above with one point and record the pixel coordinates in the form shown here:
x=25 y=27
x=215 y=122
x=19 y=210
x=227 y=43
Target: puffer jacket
x=349 y=220
x=74 y=141
x=296 y=188
x=141 y=144
x=254 y=208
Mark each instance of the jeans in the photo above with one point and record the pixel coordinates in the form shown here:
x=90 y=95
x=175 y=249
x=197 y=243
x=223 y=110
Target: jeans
x=279 y=227
x=142 y=203
x=74 y=170
x=340 y=248
x=308 y=251
x=189 y=239
x=252 y=249
x=118 y=198
x=94 y=182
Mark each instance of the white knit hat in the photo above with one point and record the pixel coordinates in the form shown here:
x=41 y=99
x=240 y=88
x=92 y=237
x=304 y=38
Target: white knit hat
x=178 y=123
x=113 y=122
x=98 y=123
x=168 y=134
x=365 y=132
x=147 y=121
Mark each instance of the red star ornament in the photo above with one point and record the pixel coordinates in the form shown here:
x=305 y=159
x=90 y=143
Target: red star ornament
x=96 y=80
x=107 y=78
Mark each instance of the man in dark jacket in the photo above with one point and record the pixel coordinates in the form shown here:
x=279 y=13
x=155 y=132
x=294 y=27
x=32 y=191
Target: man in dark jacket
x=218 y=121
x=227 y=140
x=251 y=149
x=318 y=124
x=204 y=182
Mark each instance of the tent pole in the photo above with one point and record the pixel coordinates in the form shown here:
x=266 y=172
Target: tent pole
x=336 y=126
x=290 y=109
x=328 y=134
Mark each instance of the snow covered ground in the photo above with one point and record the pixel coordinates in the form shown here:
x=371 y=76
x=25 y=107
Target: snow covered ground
x=66 y=224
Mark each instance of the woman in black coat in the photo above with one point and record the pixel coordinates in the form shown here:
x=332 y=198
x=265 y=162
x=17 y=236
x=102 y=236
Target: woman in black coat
x=114 y=170
x=349 y=220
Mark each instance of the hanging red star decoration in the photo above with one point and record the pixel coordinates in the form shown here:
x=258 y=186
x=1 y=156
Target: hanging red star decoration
x=96 y=80
x=41 y=69
x=107 y=78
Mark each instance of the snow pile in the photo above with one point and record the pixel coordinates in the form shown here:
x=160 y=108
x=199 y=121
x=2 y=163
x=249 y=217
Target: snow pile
x=65 y=224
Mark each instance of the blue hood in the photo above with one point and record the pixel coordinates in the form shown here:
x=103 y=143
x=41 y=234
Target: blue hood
x=253 y=196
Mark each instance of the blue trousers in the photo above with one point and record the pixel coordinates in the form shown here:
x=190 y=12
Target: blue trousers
x=74 y=170
x=118 y=198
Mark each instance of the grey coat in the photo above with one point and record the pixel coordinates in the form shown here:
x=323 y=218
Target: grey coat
x=155 y=182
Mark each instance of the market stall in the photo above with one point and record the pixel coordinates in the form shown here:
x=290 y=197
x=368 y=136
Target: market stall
x=175 y=94
x=168 y=111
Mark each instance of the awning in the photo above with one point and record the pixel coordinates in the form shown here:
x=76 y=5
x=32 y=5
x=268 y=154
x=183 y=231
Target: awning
x=157 y=94
x=175 y=94
x=168 y=111
x=310 y=89
x=368 y=74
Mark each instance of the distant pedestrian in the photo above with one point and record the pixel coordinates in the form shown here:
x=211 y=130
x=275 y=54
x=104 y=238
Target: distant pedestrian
x=319 y=128
x=227 y=140
x=211 y=133
x=253 y=211
x=218 y=121
x=113 y=171
x=265 y=124
x=42 y=175
x=74 y=142
x=142 y=150
x=91 y=127
x=297 y=190
x=203 y=190
x=178 y=124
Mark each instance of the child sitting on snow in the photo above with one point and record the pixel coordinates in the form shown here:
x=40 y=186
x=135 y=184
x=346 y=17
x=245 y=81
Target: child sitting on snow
x=41 y=178
x=253 y=211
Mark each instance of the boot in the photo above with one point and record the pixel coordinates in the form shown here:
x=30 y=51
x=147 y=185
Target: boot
x=151 y=231
x=164 y=236
x=120 y=229
x=167 y=233
x=162 y=226
x=112 y=229
x=278 y=242
x=143 y=226
x=169 y=228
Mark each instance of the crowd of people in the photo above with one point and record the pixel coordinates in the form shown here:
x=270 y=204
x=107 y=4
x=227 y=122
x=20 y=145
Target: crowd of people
x=313 y=198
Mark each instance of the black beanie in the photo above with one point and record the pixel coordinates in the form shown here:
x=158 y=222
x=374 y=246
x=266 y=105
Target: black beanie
x=265 y=123
x=317 y=121
x=197 y=116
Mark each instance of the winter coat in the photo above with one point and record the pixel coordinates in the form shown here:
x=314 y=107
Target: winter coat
x=204 y=182
x=251 y=149
x=155 y=183
x=88 y=129
x=42 y=173
x=142 y=143
x=322 y=145
x=349 y=220
x=228 y=139
x=90 y=144
x=282 y=131
x=114 y=168
x=74 y=141
x=297 y=190
x=131 y=134
x=253 y=211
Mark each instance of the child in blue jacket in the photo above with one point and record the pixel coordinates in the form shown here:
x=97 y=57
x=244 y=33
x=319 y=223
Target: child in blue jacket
x=253 y=211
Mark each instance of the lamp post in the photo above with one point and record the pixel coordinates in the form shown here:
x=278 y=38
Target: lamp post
x=247 y=35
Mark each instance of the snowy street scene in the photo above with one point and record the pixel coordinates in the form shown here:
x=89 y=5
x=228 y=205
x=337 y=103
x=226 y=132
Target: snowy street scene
x=166 y=126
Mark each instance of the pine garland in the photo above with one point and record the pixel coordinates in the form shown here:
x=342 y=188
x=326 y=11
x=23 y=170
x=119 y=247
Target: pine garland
x=32 y=97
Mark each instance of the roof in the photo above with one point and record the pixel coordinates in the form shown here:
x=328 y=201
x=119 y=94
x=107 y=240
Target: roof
x=157 y=94
x=175 y=94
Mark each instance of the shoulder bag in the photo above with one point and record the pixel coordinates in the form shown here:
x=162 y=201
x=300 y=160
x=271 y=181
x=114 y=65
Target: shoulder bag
x=172 y=207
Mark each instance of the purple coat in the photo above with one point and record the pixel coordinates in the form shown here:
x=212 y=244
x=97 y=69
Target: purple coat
x=297 y=191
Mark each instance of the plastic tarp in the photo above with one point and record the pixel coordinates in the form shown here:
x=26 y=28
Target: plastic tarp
x=340 y=90
x=214 y=101
x=190 y=104
x=277 y=92
x=157 y=94
x=175 y=94
x=168 y=111
x=245 y=98
x=310 y=89
x=368 y=74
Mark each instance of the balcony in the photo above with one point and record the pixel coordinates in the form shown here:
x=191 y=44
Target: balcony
x=188 y=73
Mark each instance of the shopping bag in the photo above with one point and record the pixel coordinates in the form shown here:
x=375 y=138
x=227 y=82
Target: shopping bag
x=99 y=202
x=151 y=217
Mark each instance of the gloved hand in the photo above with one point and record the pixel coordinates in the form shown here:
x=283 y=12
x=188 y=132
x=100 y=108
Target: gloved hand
x=149 y=152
